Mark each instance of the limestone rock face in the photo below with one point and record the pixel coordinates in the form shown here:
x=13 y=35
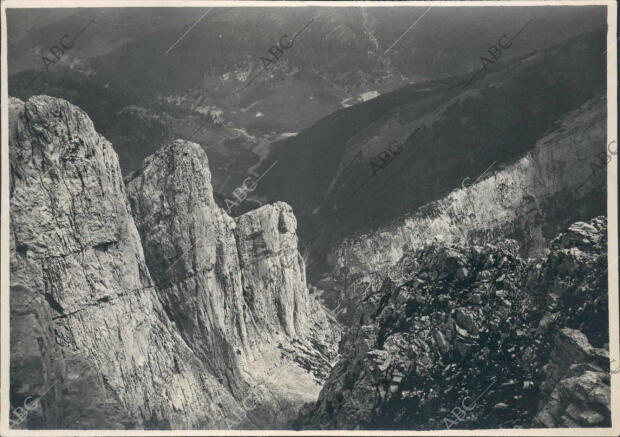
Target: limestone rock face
x=142 y=327
x=36 y=363
x=526 y=339
x=77 y=249
x=275 y=291
x=529 y=199
x=274 y=276
x=234 y=288
x=191 y=252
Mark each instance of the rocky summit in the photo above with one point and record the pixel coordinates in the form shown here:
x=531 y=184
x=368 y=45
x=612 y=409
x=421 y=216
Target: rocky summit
x=459 y=337
x=142 y=304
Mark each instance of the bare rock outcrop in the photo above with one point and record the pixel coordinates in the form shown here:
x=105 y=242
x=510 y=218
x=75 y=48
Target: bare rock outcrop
x=576 y=384
x=274 y=277
x=477 y=337
x=191 y=253
x=77 y=250
x=236 y=289
x=121 y=336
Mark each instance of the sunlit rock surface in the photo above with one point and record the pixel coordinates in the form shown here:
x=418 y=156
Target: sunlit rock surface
x=126 y=337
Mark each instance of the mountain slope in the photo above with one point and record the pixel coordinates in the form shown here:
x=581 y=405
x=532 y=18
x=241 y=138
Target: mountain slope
x=562 y=179
x=445 y=134
x=344 y=56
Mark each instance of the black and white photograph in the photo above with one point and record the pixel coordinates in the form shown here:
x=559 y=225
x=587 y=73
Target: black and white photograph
x=335 y=218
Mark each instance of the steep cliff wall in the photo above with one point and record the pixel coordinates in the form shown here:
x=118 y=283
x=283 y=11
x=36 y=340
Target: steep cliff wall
x=191 y=253
x=77 y=249
x=530 y=199
x=236 y=289
x=119 y=340
x=274 y=276
x=476 y=337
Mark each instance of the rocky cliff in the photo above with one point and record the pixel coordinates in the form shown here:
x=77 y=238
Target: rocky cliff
x=155 y=326
x=477 y=337
x=529 y=199
x=235 y=288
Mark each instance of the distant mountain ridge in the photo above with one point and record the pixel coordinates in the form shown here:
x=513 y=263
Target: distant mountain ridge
x=342 y=58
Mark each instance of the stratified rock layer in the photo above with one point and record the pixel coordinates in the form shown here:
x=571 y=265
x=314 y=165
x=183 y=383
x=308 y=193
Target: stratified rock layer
x=479 y=338
x=120 y=341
